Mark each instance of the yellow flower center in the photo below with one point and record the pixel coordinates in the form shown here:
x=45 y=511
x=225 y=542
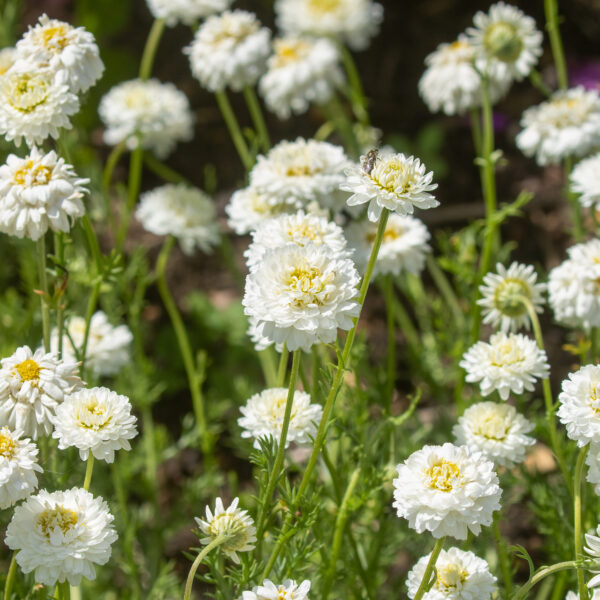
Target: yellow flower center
x=26 y=92
x=502 y=41
x=233 y=32
x=287 y=52
x=32 y=173
x=508 y=297
x=450 y=577
x=55 y=38
x=594 y=397
x=323 y=6
x=235 y=529
x=28 y=370
x=92 y=415
x=58 y=517
x=506 y=354
x=459 y=45
x=309 y=284
x=492 y=426
x=138 y=98
x=304 y=231
x=443 y=475
x=393 y=175
x=7 y=446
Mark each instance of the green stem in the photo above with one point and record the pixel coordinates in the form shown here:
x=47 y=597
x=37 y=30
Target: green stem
x=89 y=469
x=64 y=591
x=335 y=112
x=573 y=200
x=388 y=288
x=149 y=446
x=442 y=283
x=257 y=118
x=502 y=556
x=164 y=171
x=201 y=556
x=551 y=10
x=150 y=48
x=267 y=363
x=359 y=100
x=43 y=278
x=133 y=192
x=426 y=581
x=583 y=591
x=59 y=251
x=93 y=243
x=89 y=313
x=234 y=129
x=476 y=130
x=107 y=175
x=283 y=361
x=536 y=79
x=10 y=578
x=522 y=592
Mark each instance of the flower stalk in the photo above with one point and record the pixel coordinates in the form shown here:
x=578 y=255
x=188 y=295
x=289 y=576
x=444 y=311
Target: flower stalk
x=201 y=556
x=89 y=469
x=257 y=118
x=10 y=578
x=427 y=580
x=43 y=280
x=234 y=129
x=582 y=588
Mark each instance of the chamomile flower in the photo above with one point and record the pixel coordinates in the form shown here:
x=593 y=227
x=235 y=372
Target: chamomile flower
x=593 y=549
x=460 y=575
x=585 y=181
x=187 y=12
x=60 y=536
x=496 y=430
x=508 y=363
x=393 y=181
x=447 y=490
x=233 y=523
x=503 y=294
x=302 y=71
x=264 y=412
x=288 y=590
x=229 y=50
x=37 y=193
x=32 y=385
x=182 y=211
x=568 y=124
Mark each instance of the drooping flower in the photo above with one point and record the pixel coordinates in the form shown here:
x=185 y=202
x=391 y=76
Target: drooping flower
x=187 y=12
x=182 y=211
x=447 y=490
x=585 y=181
x=61 y=535
x=508 y=363
x=288 y=590
x=235 y=524
x=37 y=193
x=460 y=575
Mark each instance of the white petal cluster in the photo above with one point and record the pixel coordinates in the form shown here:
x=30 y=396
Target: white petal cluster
x=393 y=181
x=353 y=22
x=301 y=72
x=506 y=41
x=34 y=104
x=446 y=490
x=95 y=420
x=32 y=385
x=568 y=124
x=18 y=467
x=573 y=290
x=8 y=56
x=595 y=595
x=459 y=576
x=288 y=590
x=149 y=113
x=187 y=12
x=300 y=229
x=229 y=50
x=508 y=363
x=264 y=412
x=182 y=211
x=585 y=181
x=403 y=248
x=37 y=193
x=496 y=430
x=302 y=171
x=593 y=549
x=592 y=460
x=235 y=524
x=108 y=347
x=503 y=293
x=61 y=535
x=61 y=47
x=451 y=84
x=301 y=295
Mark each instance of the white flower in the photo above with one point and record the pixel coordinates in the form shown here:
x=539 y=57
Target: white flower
x=62 y=47
x=187 y=12
x=32 y=385
x=508 y=363
x=403 y=247
x=300 y=72
x=8 y=57
x=573 y=290
x=264 y=412
x=288 y=590
x=38 y=192
x=502 y=295
x=498 y=431
x=107 y=349
x=302 y=171
x=506 y=42
x=235 y=524
x=585 y=181
x=34 y=104
x=300 y=229
x=61 y=535
x=566 y=125
x=260 y=341
x=459 y=576
x=300 y=295
x=182 y=211
x=95 y=420
x=148 y=113
x=18 y=467
x=592 y=460
x=593 y=549
x=451 y=84
x=446 y=490
x=354 y=22
x=575 y=596
x=393 y=181
x=229 y=50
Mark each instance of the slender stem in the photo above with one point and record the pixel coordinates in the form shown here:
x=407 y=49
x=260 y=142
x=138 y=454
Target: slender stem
x=43 y=278
x=10 y=578
x=442 y=283
x=164 y=171
x=64 y=591
x=59 y=251
x=335 y=112
x=89 y=313
x=359 y=100
x=133 y=191
x=283 y=361
x=257 y=118
x=536 y=79
x=201 y=556
x=92 y=239
x=502 y=556
x=89 y=469
x=476 y=130
x=107 y=175
x=267 y=362
x=390 y=379
x=150 y=48
x=426 y=581
x=234 y=129
x=149 y=446
x=522 y=592
x=551 y=10
x=405 y=324
x=583 y=591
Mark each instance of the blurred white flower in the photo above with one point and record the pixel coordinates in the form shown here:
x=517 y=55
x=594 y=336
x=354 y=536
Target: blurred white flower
x=585 y=181
x=446 y=490
x=8 y=56
x=187 y=12
x=592 y=460
x=595 y=595
x=288 y=590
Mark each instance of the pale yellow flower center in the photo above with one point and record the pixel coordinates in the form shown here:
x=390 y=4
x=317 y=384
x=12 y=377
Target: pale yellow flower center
x=233 y=31
x=27 y=91
x=506 y=354
x=309 y=283
x=594 y=397
x=393 y=175
x=287 y=51
x=443 y=475
x=55 y=38
x=28 y=370
x=323 y=6
x=7 y=446
x=508 y=297
x=450 y=577
x=502 y=41
x=92 y=415
x=58 y=517
x=137 y=98
x=492 y=426
x=277 y=408
x=233 y=527
x=566 y=112
x=32 y=173
x=304 y=231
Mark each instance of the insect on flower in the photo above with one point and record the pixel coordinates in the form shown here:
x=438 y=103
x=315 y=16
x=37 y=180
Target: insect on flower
x=368 y=161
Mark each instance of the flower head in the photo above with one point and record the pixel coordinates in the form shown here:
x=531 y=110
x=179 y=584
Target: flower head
x=446 y=490
x=508 y=363
x=234 y=524
x=187 y=12
x=288 y=590
x=585 y=181
x=61 y=535
x=593 y=549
